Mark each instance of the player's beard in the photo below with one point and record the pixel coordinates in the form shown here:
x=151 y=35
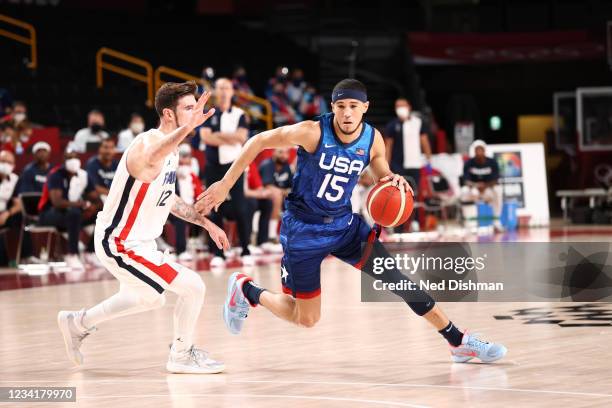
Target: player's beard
x=352 y=131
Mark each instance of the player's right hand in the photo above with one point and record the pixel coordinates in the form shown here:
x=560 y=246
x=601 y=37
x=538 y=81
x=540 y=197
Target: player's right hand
x=199 y=116
x=212 y=197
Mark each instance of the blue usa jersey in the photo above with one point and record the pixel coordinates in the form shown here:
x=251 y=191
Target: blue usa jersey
x=324 y=180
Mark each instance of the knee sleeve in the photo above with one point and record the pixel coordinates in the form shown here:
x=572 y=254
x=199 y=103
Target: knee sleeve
x=418 y=300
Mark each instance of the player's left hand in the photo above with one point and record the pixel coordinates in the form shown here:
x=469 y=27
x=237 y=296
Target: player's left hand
x=399 y=182
x=199 y=116
x=218 y=235
x=212 y=197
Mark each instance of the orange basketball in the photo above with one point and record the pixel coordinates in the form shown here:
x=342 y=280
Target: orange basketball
x=388 y=205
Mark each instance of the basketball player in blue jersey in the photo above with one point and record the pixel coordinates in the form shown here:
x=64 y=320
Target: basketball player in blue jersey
x=332 y=153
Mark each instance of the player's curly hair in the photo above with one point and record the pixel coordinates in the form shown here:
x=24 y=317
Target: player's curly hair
x=169 y=93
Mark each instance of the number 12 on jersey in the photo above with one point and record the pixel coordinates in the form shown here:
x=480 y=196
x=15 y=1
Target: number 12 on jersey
x=332 y=181
x=162 y=199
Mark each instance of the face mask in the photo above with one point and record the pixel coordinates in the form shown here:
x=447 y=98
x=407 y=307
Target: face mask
x=73 y=165
x=19 y=117
x=24 y=138
x=95 y=128
x=184 y=170
x=402 y=112
x=6 y=168
x=137 y=128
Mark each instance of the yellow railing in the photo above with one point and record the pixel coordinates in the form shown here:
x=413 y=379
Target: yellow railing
x=266 y=116
x=147 y=78
x=31 y=40
x=177 y=74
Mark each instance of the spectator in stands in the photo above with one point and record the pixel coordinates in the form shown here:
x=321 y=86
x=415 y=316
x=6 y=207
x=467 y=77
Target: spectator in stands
x=406 y=140
x=239 y=80
x=10 y=207
x=224 y=133
x=34 y=175
x=277 y=177
x=135 y=127
x=69 y=201
x=280 y=77
x=208 y=76
x=296 y=87
x=93 y=133
x=188 y=187
x=19 y=140
x=283 y=112
x=19 y=113
x=259 y=198
x=480 y=176
x=312 y=104
x=101 y=168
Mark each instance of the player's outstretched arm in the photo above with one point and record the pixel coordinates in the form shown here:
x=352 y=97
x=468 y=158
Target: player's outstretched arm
x=379 y=165
x=188 y=213
x=145 y=160
x=305 y=134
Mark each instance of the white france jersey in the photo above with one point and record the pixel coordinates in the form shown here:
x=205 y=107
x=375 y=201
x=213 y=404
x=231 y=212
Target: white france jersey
x=135 y=211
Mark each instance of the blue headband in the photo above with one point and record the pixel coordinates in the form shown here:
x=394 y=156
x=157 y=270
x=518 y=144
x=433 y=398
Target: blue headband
x=349 y=94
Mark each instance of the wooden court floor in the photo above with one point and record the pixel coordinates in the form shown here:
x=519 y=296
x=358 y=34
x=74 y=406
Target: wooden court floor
x=359 y=355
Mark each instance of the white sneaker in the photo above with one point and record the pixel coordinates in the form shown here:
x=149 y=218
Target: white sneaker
x=73 y=261
x=248 y=260
x=272 y=248
x=217 y=262
x=193 y=361
x=255 y=250
x=93 y=260
x=74 y=333
x=185 y=257
x=472 y=347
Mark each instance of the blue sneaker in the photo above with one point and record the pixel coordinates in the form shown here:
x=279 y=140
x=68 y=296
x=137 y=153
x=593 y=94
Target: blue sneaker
x=236 y=306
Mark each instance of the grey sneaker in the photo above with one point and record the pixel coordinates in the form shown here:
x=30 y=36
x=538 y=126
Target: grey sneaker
x=193 y=361
x=236 y=307
x=73 y=331
x=472 y=347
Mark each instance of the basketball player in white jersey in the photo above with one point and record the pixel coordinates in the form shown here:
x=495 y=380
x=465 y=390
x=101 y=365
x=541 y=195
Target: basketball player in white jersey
x=141 y=196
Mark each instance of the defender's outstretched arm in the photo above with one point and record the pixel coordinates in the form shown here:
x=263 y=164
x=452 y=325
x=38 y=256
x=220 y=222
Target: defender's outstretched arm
x=188 y=213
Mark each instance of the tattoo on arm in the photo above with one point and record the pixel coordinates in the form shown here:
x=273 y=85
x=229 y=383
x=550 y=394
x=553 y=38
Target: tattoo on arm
x=187 y=212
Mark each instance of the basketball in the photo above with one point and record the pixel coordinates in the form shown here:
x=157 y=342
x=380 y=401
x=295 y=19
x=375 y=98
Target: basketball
x=388 y=205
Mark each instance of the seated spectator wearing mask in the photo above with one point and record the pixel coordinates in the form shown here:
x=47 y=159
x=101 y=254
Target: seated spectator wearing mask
x=69 y=202
x=101 y=168
x=480 y=176
x=126 y=136
x=10 y=207
x=296 y=87
x=19 y=142
x=312 y=104
x=283 y=112
x=188 y=187
x=277 y=177
x=34 y=175
x=93 y=133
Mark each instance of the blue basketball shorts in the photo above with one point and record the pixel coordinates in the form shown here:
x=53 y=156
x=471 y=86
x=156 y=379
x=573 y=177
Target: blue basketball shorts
x=305 y=245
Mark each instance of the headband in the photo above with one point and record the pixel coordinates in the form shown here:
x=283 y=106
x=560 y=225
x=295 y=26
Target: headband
x=349 y=94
